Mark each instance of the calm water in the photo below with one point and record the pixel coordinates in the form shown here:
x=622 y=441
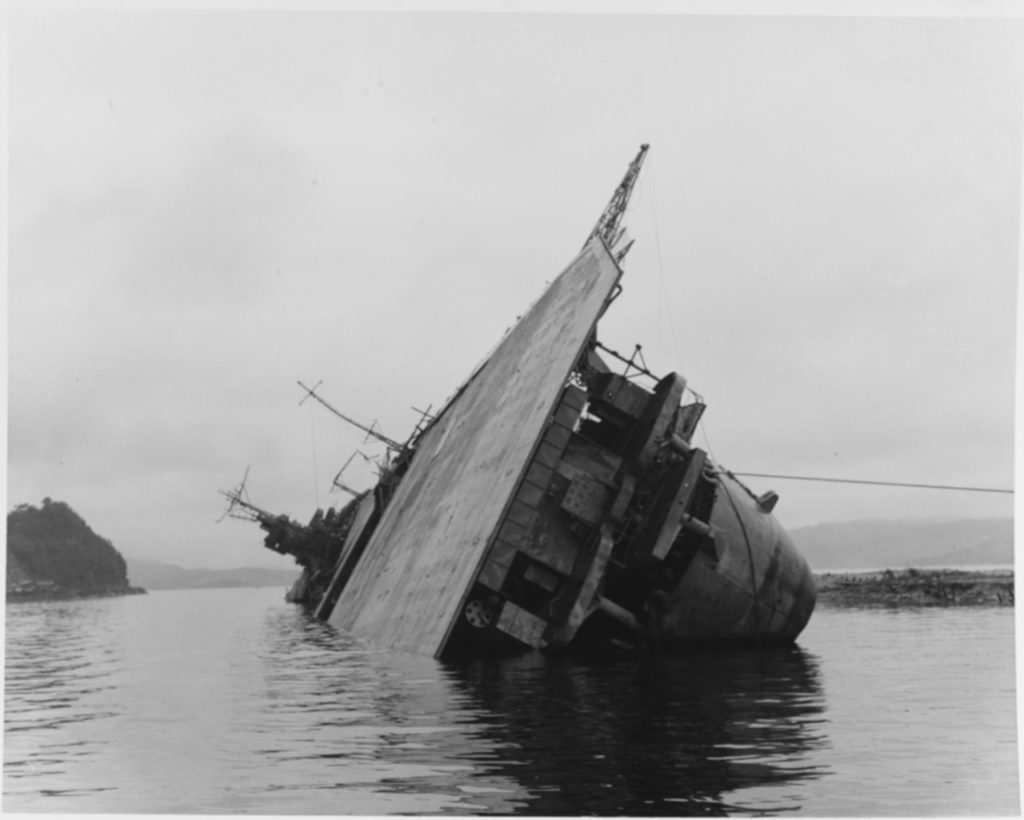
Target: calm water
x=227 y=701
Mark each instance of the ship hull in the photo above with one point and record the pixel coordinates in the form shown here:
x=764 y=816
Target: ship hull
x=555 y=501
x=760 y=589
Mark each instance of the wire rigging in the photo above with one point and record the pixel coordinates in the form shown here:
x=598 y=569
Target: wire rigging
x=876 y=483
x=665 y=308
x=316 y=469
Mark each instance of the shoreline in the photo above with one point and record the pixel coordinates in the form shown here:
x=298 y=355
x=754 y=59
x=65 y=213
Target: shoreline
x=916 y=587
x=58 y=594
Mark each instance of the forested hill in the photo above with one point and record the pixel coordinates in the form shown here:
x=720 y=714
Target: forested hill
x=52 y=552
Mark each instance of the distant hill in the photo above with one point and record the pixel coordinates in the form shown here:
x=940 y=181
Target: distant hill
x=53 y=553
x=156 y=575
x=882 y=544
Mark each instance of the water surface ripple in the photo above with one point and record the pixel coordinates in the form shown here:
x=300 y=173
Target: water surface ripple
x=231 y=701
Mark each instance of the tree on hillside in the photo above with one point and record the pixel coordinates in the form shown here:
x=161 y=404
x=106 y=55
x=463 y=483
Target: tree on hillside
x=53 y=543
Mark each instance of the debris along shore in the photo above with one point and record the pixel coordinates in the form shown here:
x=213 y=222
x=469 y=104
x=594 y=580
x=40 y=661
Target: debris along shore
x=916 y=587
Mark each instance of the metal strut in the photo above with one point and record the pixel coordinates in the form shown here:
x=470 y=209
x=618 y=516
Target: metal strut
x=311 y=391
x=607 y=226
x=240 y=507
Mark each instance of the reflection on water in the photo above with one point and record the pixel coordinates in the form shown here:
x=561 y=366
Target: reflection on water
x=232 y=701
x=665 y=735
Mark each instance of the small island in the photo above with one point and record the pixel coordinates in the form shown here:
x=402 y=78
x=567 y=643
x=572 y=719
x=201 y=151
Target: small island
x=52 y=554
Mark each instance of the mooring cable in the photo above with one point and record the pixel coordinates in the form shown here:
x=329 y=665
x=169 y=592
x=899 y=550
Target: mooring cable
x=876 y=483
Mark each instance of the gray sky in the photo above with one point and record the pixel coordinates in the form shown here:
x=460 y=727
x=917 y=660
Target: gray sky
x=207 y=206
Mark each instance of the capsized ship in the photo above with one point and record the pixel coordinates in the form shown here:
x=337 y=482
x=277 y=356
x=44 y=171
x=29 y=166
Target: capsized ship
x=556 y=500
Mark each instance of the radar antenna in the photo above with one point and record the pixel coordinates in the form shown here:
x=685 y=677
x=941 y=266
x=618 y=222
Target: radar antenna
x=607 y=226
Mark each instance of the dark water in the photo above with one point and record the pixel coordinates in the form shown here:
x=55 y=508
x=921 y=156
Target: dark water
x=227 y=701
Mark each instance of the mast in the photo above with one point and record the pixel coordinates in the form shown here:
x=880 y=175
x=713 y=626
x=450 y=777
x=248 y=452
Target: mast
x=241 y=508
x=607 y=226
x=311 y=391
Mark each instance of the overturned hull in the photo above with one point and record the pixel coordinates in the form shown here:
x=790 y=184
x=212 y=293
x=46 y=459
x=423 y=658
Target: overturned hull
x=556 y=502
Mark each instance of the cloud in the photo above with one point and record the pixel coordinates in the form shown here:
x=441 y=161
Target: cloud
x=206 y=208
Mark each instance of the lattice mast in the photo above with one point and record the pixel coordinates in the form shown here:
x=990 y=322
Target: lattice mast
x=608 y=226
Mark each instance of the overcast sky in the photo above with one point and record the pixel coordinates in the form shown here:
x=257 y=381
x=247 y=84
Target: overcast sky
x=208 y=206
